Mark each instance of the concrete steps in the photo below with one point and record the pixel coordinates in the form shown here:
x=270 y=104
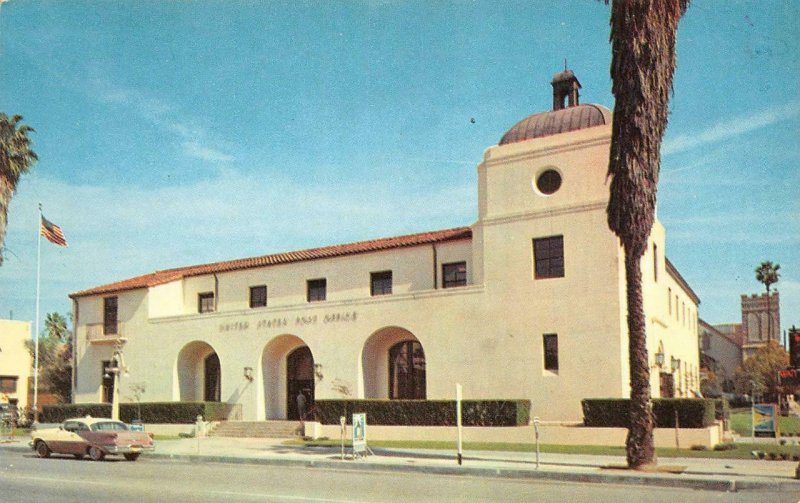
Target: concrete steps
x=258 y=429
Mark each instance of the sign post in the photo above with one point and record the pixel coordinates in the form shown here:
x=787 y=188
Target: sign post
x=458 y=421
x=342 y=429
x=359 y=434
x=536 y=429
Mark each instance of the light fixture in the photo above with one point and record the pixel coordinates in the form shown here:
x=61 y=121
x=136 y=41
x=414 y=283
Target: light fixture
x=660 y=359
x=318 y=371
x=675 y=363
x=248 y=373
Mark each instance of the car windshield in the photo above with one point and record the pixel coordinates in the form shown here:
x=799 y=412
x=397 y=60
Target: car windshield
x=109 y=426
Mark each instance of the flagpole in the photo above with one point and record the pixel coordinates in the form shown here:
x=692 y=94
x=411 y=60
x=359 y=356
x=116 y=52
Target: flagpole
x=36 y=323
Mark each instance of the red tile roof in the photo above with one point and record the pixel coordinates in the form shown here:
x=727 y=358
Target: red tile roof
x=166 y=276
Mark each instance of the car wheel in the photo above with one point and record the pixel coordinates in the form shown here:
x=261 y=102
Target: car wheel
x=96 y=453
x=132 y=456
x=42 y=450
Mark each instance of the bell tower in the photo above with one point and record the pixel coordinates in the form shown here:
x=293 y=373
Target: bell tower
x=565 y=87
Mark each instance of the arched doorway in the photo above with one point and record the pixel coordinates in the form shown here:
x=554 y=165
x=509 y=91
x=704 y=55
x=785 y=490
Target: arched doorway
x=287 y=367
x=407 y=371
x=393 y=365
x=211 y=373
x=197 y=373
x=299 y=379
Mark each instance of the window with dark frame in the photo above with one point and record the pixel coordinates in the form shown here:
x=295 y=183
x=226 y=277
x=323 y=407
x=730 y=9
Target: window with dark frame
x=110 y=318
x=551 y=352
x=407 y=379
x=205 y=302
x=381 y=283
x=454 y=274
x=316 y=290
x=258 y=296
x=8 y=384
x=548 y=257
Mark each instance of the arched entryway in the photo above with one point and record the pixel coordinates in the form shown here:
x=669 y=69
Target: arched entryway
x=299 y=380
x=287 y=368
x=393 y=365
x=198 y=373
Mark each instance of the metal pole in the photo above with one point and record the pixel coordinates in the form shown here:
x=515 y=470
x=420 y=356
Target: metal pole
x=536 y=429
x=115 y=394
x=36 y=322
x=458 y=421
x=752 y=410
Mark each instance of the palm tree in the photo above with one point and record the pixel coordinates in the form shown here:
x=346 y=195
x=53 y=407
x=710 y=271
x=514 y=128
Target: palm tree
x=643 y=36
x=16 y=158
x=767 y=274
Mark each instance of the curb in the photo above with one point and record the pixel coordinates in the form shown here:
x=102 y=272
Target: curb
x=719 y=484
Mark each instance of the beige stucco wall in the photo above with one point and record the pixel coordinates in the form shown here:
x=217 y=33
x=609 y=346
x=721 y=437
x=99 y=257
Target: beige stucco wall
x=487 y=336
x=554 y=434
x=15 y=359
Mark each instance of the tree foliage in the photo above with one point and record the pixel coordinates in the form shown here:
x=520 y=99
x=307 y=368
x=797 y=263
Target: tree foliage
x=55 y=357
x=767 y=274
x=16 y=158
x=759 y=373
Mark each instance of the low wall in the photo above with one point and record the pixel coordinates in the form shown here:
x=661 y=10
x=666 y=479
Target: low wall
x=169 y=429
x=564 y=434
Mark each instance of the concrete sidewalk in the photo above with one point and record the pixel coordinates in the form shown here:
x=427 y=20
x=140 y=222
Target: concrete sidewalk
x=697 y=473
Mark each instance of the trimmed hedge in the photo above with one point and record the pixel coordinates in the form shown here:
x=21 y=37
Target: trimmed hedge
x=152 y=412
x=426 y=412
x=614 y=412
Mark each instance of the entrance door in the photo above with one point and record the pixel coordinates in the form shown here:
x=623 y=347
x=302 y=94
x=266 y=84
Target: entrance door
x=667 y=385
x=299 y=379
x=212 y=379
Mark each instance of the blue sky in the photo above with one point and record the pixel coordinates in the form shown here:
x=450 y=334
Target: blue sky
x=176 y=133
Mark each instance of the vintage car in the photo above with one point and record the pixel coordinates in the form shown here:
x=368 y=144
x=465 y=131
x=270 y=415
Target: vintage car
x=95 y=437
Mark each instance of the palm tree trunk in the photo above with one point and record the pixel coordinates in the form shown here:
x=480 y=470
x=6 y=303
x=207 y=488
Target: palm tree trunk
x=6 y=192
x=639 y=445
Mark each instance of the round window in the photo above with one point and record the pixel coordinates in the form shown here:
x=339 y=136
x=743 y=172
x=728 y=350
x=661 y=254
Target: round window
x=548 y=182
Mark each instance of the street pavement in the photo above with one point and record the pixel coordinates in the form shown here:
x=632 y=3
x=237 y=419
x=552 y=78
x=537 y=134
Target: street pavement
x=696 y=473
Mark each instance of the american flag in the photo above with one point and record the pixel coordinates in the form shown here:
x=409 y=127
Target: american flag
x=53 y=233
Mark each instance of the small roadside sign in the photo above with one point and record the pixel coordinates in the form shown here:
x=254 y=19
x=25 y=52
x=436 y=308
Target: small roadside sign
x=360 y=434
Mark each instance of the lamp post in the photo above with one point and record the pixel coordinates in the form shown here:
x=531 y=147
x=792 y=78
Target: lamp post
x=119 y=366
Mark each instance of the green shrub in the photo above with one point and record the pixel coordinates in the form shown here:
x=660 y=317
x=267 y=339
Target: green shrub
x=426 y=412
x=725 y=446
x=151 y=412
x=698 y=447
x=614 y=412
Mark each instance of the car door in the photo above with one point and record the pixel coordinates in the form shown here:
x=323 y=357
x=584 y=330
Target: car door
x=70 y=440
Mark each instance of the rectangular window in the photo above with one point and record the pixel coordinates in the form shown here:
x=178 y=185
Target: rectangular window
x=110 y=315
x=669 y=300
x=205 y=302
x=8 y=384
x=551 y=352
x=258 y=296
x=548 y=257
x=316 y=290
x=454 y=274
x=655 y=262
x=381 y=283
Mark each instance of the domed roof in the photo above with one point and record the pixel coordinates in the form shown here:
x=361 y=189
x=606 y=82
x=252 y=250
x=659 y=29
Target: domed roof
x=557 y=121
